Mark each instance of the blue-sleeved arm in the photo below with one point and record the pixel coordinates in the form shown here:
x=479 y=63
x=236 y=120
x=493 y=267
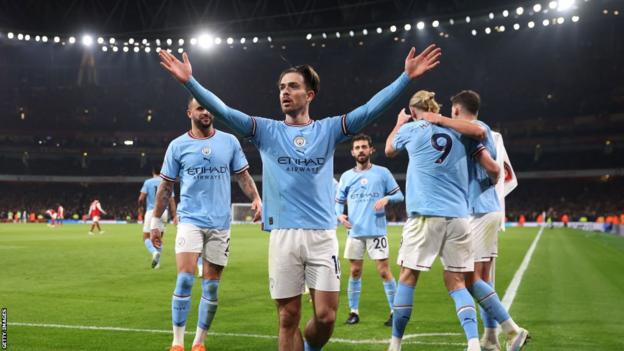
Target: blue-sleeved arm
x=241 y=122
x=362 y=116
x=395 y=197
x=339 y=208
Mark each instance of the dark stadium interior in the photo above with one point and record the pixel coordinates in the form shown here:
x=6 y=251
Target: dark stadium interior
x=555 y=93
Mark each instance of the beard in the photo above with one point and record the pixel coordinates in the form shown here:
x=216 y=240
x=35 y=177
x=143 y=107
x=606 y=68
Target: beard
x=199 y=123
x=361 y=159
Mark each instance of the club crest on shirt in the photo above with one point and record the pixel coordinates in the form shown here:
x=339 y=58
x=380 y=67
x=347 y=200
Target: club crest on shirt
x=299 y=141
x=363 y=181
x=206 y=151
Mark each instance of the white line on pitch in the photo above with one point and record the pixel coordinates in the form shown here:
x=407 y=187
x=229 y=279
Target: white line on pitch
x=512 y=289
x=244 y=335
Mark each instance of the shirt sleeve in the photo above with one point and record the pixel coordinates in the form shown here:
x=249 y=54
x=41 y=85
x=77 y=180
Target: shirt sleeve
x=171 y=165
x=241 y=122
x=239 y=163
x=362 y=116
x=401 y=138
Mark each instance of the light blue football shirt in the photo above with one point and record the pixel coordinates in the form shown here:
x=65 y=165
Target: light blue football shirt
x=437 y=172
x=204 y=166
x=298 y=160
x=150 y=187
x=482 y=197
x=361 y=189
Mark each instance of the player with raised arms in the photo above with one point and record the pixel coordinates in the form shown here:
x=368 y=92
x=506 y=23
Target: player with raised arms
x=297 y=155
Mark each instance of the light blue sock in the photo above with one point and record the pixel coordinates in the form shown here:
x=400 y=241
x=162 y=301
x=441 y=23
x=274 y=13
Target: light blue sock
x=208 y=303
x=488 y=299
x=402 y=311
x=487 y=318
x=390 y=289
x=353 y=292
x=464 y=305
x=307 y=347
x=181 y=301
x=150 y=247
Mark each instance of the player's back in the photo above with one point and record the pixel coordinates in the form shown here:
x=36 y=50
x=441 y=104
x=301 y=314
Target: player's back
x=150 y=187
x=437 y=173
x=482 y=195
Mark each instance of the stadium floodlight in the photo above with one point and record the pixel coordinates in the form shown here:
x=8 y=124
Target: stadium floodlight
x=338 y=35
x=308 y=36
x=100 y=40
x=169 y=41
x=488 y=30
x=180 y=42
x=531 y=24
x=104 y=48
x=20 y=36
x=379 y=30
x=420 y=25
x=128 y=142
x=516 y=26
x=575 y=19
x=111 y=41
x=72 y=40
x=254 y=40
x=193 y=41
x=491 y=15
x=467 y=19
x=27 y=37
x=144 y=41
x=545 y=22
x=269 y=39
x=565 y=5
x=169 y=50
x=243 y=40
x=218 y=41
x=147 y=49
x=205 y=41
x=474 y=32
x=136 y=49
x=364 y=31
x=44 y=38
x=10 y=35
x=115 y=49
x=180 y=50
x=157 y=42
x=435 y=24
x=230 y=41
x=451 y=21
x=505 y=13
x=87 y=40
x=552 y=5
x=125 y=49
x=131 y=41
x=537 y=8
x=57 y=39
x=37 y=38
x=393 y=28
x=501 y=28
x=519 y=10
x=351 y=33
x=407 y=27
x=560 y=20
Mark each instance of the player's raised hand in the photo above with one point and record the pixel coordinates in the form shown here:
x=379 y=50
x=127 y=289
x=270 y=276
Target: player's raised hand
x=256 y=206
x=381 y=204
x=156 y=237
x=403 y=118
x=343 y=219
x=415 y=66
x=180 y=70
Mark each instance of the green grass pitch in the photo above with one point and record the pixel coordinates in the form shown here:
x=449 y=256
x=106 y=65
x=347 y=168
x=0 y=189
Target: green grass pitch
x=571 y=297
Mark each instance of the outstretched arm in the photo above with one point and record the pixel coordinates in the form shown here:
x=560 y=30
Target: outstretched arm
x=183 y=73
x=467 y=128
x=415 y=66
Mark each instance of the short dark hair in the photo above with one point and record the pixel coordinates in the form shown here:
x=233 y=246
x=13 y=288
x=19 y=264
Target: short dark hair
x=310 y=77
x=468 y=99
x=156 y=168
x=362 y=136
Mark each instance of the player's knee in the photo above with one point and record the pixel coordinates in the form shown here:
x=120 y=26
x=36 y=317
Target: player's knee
x=325 y=316
x=289 y=318
x=209 y=289
x=356 y=272
x=184 y=284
